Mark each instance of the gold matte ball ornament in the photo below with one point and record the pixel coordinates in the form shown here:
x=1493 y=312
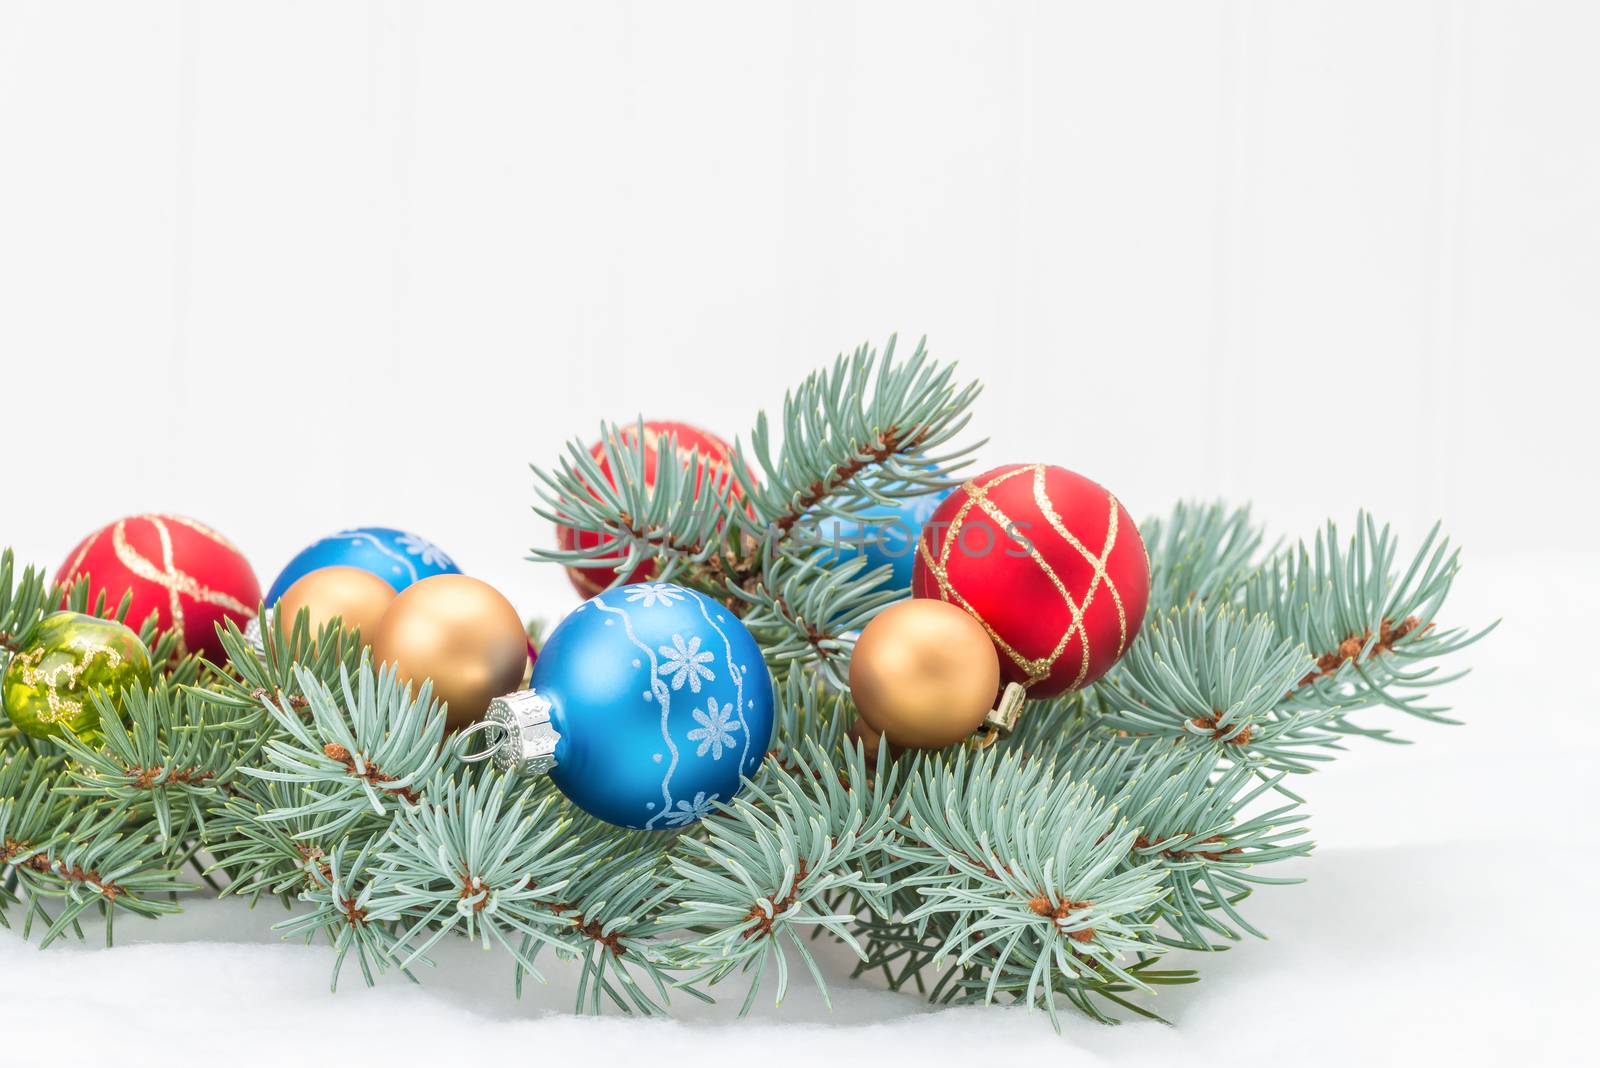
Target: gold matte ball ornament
x=924 y=674
x=359 y=598
x=461 y=633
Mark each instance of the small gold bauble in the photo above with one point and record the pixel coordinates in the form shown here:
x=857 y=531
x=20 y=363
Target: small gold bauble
x=359 y=598
x=459 y=632
x=924 y=674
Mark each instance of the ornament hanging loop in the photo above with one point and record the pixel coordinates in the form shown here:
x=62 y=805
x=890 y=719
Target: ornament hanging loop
x=1002 y=720
x=464 y=737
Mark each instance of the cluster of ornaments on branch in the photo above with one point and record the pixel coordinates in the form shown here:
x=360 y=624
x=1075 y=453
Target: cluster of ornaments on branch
x=398 y=557
x=416 y=610
x=178 y=570
x=1028 y=575
x=1049 y=563
x=650 y=705
x=646 y=706
x=185 y=572
x=651 y=701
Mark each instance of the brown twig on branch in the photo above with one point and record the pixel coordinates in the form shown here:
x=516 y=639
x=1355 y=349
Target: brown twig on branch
x=373 y=776
x=594 y=930
x=1060 y=910
x=763 y=912
x=1221 y=733
x=814 y=636
x=354 y=915
x=145 y=778
x=1389 y=635
x=293 y=700
x=890 y=442
x=1184 y=853
x=42 y=864
x=315 y=861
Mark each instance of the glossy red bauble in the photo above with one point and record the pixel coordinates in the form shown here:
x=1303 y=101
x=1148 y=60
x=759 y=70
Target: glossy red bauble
x=1049 y=562
x=183 y=570
x=692 y=441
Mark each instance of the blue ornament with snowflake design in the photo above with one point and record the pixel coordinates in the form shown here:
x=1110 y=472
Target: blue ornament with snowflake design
x=393 y=555
x=647 y=706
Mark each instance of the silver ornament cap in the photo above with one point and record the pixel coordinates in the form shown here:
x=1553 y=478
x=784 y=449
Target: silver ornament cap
x=527 y=742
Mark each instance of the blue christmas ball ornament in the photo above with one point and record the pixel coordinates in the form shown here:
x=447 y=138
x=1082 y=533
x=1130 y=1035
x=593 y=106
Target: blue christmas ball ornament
x=393 y=555
x=659 y=701
x=885 y=534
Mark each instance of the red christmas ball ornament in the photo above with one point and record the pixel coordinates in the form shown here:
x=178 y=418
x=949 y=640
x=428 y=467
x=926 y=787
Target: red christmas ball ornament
x=185 y=571
x=691 y=442
x=1049 y=562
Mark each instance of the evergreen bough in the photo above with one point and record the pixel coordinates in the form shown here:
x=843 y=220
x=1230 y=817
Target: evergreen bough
x=1054 y=868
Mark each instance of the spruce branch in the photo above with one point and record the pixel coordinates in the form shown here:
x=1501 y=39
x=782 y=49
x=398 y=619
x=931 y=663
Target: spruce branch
x=369 y=750
x=675 y=517
x=1200 y=553
x=1372 y=628
x=806 y=712
x=23 y=602
x=610 y=924
x=339 y=900
x=483 y=858
x=29 y=813
x=1024 y=881
x=174 y=760
x=249 y=675
x=1199 y=819
x=59 y=862
x=865 y=429
x=281 y=856
x=1215 y=676
x=797 y=841
x=804 y=613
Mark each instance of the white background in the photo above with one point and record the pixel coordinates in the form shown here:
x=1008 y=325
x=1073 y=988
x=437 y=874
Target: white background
x=294 y=267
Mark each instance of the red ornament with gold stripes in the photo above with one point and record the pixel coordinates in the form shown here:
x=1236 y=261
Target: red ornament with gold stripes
x=692 y=442
x=187 y=573
x=1049 y=562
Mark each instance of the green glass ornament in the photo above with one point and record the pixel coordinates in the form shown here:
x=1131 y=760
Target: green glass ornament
x=66 y=658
